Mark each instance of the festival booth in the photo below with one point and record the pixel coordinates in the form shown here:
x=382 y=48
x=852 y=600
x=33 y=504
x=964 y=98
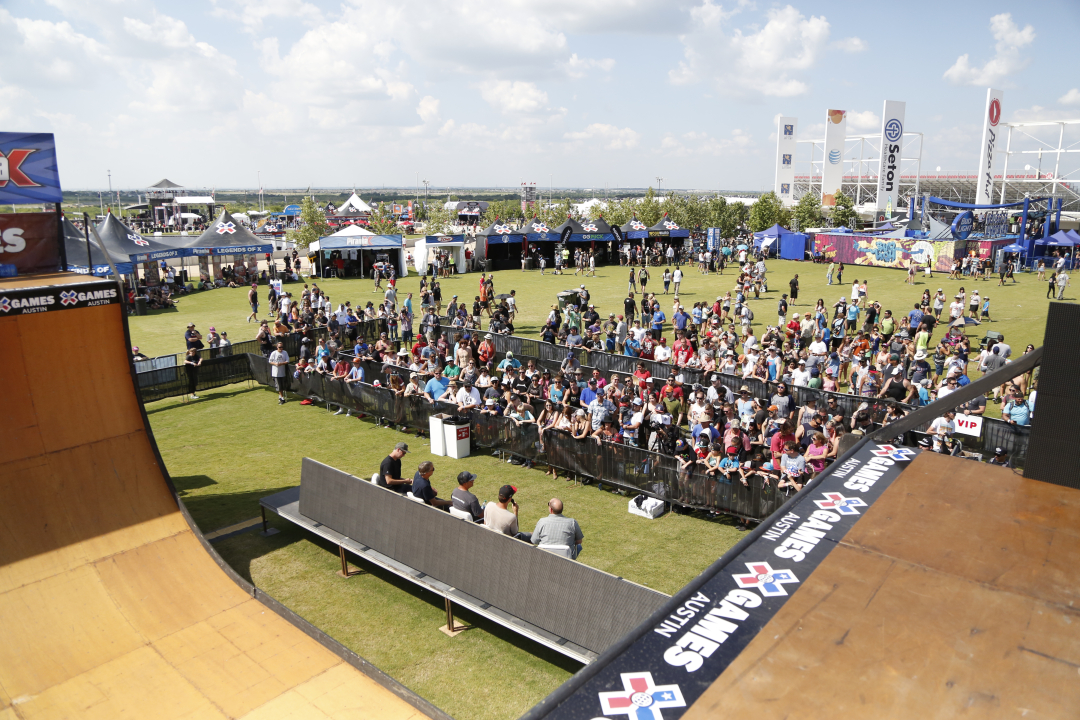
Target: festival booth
x=125 y=246
x=75 y=246
x=541 y=239
x=227 y=237
x=631 y=231
x=502 y=246
x=360 y=249
x=468 y=211
x=784 y=243
x=669 y=229
x=442 y=244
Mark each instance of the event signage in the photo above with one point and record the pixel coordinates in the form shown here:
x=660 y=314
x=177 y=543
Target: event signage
x=672 y=664
x=226 y=250
x=832 y=168
x=28 y=173
x=969 y=425
x=963 y=225
x=30 y=242
x=291 y=210
x=786 y=133
x=984 y=185
x=996 y=224
x=23 y=301
x=892 y=148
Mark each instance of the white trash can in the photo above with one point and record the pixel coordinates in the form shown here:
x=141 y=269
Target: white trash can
x=458 y=438
x=436 y=430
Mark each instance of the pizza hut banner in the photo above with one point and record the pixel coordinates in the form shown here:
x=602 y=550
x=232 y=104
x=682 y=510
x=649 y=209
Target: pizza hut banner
x=30 y=242
x=28 y=173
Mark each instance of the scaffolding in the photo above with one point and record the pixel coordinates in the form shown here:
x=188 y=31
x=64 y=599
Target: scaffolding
x=1037 y=139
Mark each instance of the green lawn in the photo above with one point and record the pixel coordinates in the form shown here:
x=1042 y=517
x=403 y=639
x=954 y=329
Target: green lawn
x=236 y=445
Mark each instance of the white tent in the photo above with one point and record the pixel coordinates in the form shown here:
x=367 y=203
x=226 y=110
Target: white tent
x=435 y=243
x=347 y=231
x=353 y=205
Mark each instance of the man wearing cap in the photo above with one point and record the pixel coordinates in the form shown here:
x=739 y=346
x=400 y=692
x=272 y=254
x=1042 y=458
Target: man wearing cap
x=555 y=529
x=502 y=515
x=467 y=398
x=390 y=470
x=463 y=499
x=1001 y=458
x=632 y=425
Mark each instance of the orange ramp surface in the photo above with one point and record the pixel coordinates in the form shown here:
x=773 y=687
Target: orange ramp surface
x=111 y=605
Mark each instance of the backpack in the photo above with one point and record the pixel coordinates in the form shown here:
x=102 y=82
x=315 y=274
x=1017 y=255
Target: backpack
x=749 y=314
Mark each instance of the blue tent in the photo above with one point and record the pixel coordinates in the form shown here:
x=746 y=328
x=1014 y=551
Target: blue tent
x=1059 y=239
x=845 y=229
x=1013 y=248
x=538 y=231
x=499 y=232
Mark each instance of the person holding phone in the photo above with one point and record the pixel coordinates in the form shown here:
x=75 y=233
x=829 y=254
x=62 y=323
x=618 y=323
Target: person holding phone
x=503 y=514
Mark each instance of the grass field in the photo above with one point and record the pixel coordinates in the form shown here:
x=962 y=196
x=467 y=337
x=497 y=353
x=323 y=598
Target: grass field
x=236 y=445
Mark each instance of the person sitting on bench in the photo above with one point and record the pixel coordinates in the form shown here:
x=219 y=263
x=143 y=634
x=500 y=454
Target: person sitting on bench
x=390 y=470
x=463 y=499
x=421 y=486
x=502 y=516
x=558 y=530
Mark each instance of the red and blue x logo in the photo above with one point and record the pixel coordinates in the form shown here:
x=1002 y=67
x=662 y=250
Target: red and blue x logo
x=893 y=452
x=11 y=169
x=839 y=503
x=765 y=580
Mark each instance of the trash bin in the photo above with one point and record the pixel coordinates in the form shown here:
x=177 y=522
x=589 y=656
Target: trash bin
x=530 y=264
x=565 y=296
x=457 y=436
x=435 y=429
x=489 y=265
x=140 y=305
x=183 y=276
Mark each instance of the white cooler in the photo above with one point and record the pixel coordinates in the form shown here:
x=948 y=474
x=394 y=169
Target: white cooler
x=650 y=508
x=436 y=429
x=457 y=439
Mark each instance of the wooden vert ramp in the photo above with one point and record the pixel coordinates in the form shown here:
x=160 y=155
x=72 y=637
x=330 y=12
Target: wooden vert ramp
x=111 y=603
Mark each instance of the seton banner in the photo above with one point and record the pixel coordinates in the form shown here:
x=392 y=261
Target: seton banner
x=30 y=242
x=28 y=173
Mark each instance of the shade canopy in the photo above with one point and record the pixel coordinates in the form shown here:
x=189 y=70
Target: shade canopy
x=1012 y=248
x=776 y=231
x=75 y=247
x=125 y=245
x=1060 y=239
x=667 y=227
x=634 y=229
x=338 y=241
x=165 y=184
x=537 y=230
x=568 y=229
x=500 y=232
x=349 y=231
x=353 y=206
x=227 y=236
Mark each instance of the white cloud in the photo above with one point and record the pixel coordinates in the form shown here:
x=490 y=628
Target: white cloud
x=514 y=96
x=252 y=14
x=1007 y=60
x=762 y=61
x=1037 y=113
x=606 y=136
x=864 y=121
x=850 y=45
x=578 y=67
x=1070 y=98
x=428 y=109
x=694 y=144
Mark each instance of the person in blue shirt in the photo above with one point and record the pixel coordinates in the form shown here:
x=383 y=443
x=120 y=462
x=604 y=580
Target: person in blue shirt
x=588 y=394
x=1016 y=411
x=773 y=363
x=631 y=347
x=658 y=320
x=436 y=386
x=729 y=466
x=680 y=319
x=509 y=362
x=915 y=316
x=853 y=316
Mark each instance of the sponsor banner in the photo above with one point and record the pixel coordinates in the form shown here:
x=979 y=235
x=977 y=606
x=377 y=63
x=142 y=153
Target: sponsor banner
x=969 y=425
x=28 y=173
x=23 y=301
x=963 y=225
x=668 y=668
x=888 y=251
x=892 y=147
x=786 y=132
x=29 y=241
x=832 y=166
x=984 y=185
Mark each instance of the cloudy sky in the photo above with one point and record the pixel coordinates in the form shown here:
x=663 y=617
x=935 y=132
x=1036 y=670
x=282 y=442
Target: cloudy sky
x=487 y=93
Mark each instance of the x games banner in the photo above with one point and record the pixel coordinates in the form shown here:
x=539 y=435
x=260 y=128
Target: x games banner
x=23 y=301
x=669 y=667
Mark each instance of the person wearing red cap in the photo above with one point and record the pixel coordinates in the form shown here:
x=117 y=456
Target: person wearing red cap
x=502 y=516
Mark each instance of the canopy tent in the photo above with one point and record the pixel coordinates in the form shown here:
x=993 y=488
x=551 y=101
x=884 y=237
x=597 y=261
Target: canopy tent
x=568 y=229
x=348 y=231
x=353 y=206
x=125 y=245
x=1073 y=235
x=227 y=236
x=1059 y=239
x=359 y=243
x=538 y=231
x=451 y=243
x=789 y=245
x=634 y=229
x=500 y=233
x=165 y=184
x=1012 y=248
x=500 y=244
x=75 y=247
x=669 y=228
x=845 y=229
x=470 y=208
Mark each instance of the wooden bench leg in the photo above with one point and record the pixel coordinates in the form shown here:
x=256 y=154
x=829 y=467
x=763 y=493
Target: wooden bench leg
x=267 y=531
x=345 y=572
x=450 y=628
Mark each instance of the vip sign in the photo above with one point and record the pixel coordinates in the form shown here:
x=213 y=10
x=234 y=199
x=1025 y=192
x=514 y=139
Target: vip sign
x=969 y=425
x=984 y=187
x=892 y=147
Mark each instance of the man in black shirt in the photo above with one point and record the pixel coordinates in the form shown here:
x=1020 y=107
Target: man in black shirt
x=629 y=308
x=390 y=470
